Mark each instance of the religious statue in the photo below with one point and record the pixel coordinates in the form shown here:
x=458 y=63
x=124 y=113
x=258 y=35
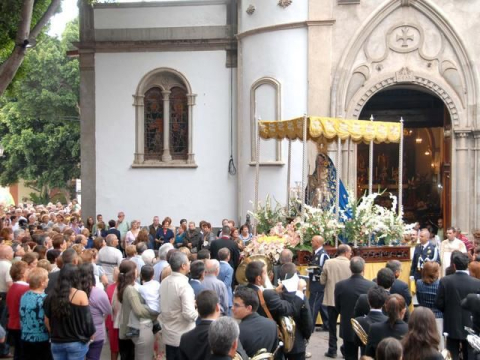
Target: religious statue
x=321 y=189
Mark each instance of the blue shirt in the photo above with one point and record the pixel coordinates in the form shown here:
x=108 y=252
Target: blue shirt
x=426 y=295
x=32 y=317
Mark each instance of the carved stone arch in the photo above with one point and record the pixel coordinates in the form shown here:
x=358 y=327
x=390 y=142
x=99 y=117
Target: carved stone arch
x=275 y=84
x=165 y=78
x=345 y=71
x=450 y=100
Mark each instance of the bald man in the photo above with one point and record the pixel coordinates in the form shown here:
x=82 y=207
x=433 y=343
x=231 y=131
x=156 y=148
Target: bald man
x=317 y=290
x=211 y=282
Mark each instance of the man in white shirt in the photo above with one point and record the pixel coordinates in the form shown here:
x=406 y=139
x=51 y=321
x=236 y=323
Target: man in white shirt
x=177 y=302
x=109 y=257
x=162 y=263
x=449 y=246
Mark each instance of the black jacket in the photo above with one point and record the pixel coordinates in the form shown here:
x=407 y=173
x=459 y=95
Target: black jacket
x=451 y=291
x=472 y=304
x=373 y=317
x=362 y=307
x=347 y=293
x=303 y=323
x=380 y=331
x=230 y=245
x=276 y=305
x=195 y=238
x=401 y=288
x=194 y=344
x=257 y=332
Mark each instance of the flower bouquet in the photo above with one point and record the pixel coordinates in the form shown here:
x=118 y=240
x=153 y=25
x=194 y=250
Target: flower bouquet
x=267 y=216
x=270 y=246
x=318 y=222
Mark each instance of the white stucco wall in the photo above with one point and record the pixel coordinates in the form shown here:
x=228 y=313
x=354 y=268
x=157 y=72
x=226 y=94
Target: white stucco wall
x=281 y=55
x=204 y=193
x=158 y=15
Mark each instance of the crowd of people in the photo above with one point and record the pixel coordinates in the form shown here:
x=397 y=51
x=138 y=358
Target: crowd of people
x=68 y=286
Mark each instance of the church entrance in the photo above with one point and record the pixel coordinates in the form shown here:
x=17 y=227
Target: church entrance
x=426 y=154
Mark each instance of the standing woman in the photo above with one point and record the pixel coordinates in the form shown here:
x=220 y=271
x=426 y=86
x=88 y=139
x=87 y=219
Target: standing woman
x=89 y=224
x=68 y=317
x=422 y=339
x=99 y=307
x=132 y=233
x=245 y=234
x=131 y=301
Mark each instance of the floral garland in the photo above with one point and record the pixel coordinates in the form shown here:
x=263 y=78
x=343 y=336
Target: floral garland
x=270 y=246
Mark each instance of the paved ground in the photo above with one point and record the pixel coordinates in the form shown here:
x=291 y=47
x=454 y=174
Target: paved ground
x=318 y=346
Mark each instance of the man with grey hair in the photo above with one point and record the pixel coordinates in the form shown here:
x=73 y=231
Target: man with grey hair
x=109 y=257
x=286 y=257
x=210 y=282
x=223 y=338
x=399 y=287
x=162 y=263
x=177 y=302
x=347 y=293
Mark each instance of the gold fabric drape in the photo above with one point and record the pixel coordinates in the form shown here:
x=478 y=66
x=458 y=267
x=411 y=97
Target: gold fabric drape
x=330 y=129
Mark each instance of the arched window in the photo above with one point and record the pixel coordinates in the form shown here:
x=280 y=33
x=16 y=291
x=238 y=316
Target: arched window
x=164 y=114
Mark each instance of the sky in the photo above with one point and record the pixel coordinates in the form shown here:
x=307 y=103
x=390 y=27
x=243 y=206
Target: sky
x=69 y=12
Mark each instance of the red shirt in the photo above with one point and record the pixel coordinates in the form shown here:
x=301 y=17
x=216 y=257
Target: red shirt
x=14 y=295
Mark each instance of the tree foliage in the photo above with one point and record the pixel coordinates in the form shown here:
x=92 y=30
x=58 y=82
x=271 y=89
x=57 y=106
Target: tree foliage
x=39 y=118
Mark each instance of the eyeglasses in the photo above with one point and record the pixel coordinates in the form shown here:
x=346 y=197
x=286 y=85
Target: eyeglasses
x=237 y=305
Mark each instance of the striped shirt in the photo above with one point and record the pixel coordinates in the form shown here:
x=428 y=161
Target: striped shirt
x=426 y=295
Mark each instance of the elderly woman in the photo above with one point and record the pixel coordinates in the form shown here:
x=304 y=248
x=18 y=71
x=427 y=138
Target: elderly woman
x=132 y=233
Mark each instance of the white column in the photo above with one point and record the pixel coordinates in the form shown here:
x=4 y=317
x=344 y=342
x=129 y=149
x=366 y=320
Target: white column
x=166 y=126
x=191 y=102
x=460 y=174
x=138 y=102
x=476 y=189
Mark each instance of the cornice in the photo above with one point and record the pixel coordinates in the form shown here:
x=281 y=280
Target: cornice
x=286 y=26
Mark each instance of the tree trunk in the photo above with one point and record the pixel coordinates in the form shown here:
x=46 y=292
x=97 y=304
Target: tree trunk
x=9 y=68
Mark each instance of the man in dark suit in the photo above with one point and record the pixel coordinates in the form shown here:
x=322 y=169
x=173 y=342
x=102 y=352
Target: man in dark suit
x=256 y=274
x=423 y=252
x=399 y=287
x=451 y=291
x=303 y=318
x=225 y=242
x=346 y=295
x=69 y=256
x=223 y=339
x=256 y=332
x=197 y=272
x=194 y=344
x=376 y=299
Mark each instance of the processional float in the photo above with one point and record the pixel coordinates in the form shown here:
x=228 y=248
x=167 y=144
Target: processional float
x=319 y=129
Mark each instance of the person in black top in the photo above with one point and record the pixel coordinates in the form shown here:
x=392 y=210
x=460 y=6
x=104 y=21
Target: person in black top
x=393 y=327
x=68 y=317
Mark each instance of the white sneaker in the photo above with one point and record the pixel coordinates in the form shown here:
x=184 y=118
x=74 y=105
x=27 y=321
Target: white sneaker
x=308 y=355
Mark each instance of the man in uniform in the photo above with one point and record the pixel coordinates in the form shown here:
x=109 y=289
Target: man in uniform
x=423 y=252
x=317 y=290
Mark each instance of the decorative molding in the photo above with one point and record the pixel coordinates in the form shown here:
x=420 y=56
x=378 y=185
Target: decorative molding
x=149 y=164
x=250 y=9
x=406 y=2
x=414 y=79
x=348 y=2
x=462 y=133
x=267 y=163
x=128 y=5
x=284 y=3
x=404 y=75
x=287 y=26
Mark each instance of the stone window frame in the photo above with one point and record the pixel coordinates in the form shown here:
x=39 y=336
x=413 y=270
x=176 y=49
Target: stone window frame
x=266 y=80
x=165 y=79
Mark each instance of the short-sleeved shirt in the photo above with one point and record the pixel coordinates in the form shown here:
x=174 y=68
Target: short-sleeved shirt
x=32 y=317
x=5 y=277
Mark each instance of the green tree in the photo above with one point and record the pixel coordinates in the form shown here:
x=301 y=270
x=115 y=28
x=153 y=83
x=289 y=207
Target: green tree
x=39 y=120
x=22 y=22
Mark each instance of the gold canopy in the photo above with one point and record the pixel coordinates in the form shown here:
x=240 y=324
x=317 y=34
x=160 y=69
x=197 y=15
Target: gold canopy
x=330 y=129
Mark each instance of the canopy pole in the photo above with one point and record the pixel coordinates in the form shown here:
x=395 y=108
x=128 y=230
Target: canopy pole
x=337 y=180
x=400 y=169
x=304 y=165
x=348 y=161
x=257 y=170
x=370 y=164
x=289 y=167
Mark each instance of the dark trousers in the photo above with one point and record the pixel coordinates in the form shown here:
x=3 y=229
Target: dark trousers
x=315 y=302
x=453 y=345
x=4 y=347
x=300 y=356
x=126 y=349
x=36 y=350
x=95 y=350
x=15 y=337
x=332 y=329
x=172 y=352
x=351 y=350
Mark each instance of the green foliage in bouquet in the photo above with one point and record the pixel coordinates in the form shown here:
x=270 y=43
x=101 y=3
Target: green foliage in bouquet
x=318 y=222
x=268 y=216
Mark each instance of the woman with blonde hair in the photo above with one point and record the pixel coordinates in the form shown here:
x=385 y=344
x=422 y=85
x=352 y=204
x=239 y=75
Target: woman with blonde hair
x=132 y=233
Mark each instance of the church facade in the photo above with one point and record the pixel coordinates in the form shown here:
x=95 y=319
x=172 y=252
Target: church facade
x=171 y=92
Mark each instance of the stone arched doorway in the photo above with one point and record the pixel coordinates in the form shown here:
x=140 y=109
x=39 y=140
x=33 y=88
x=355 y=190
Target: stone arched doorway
x=427 y=152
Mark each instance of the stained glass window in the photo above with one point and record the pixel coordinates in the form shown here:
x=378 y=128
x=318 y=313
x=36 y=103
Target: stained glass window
x=153 y=104
x=178 y=124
